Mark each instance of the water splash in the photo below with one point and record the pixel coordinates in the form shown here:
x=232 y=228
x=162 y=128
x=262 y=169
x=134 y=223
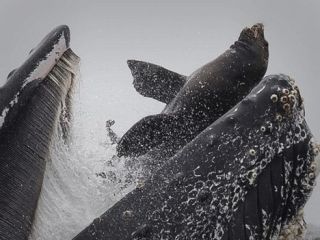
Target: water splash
x=81 y=180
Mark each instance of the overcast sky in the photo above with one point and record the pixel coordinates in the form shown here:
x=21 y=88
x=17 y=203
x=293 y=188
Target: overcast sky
x=180 y=35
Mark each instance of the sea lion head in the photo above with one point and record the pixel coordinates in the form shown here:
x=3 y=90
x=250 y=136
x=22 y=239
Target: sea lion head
x=255 y=35
x=254 y=39
x=252 y=50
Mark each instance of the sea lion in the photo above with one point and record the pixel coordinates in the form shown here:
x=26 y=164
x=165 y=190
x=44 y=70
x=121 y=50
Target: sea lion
x=246 y=176
x=33 y=100
x=194 y=102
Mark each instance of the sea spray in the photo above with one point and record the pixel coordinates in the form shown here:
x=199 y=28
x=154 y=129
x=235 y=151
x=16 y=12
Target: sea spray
x=83 y=178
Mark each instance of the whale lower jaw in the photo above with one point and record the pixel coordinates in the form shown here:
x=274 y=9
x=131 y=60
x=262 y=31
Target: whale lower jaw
x=25 y=140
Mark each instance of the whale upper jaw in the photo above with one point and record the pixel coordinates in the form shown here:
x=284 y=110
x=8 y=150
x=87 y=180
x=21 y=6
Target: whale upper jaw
x=48 y=52
x=35 y=69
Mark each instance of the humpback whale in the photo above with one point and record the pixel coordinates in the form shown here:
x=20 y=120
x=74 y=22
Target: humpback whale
x=196 y=101
x=246 y=176
x=33 y=101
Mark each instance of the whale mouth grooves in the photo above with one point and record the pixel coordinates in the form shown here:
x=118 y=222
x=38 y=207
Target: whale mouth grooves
x=64 y=75
x=25 y=141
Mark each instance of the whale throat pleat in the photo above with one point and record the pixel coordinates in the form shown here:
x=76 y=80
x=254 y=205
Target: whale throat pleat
x=25 y=147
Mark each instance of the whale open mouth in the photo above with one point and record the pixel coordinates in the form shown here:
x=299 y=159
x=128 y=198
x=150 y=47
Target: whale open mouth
x=34 y=102
x=51 y=62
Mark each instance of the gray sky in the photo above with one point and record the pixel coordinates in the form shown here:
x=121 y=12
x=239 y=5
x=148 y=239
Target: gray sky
x=180 y=35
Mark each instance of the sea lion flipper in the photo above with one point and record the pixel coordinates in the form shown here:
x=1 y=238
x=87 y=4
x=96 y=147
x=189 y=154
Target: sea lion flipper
x=154 y=81
x=146 y=134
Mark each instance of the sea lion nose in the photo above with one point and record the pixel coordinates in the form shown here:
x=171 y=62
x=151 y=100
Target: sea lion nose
x=258 y=30
x=254 y=33
x=258 y=26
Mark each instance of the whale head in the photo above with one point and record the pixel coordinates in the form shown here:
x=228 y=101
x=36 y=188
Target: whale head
x=34 y=105
x=50 y=61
